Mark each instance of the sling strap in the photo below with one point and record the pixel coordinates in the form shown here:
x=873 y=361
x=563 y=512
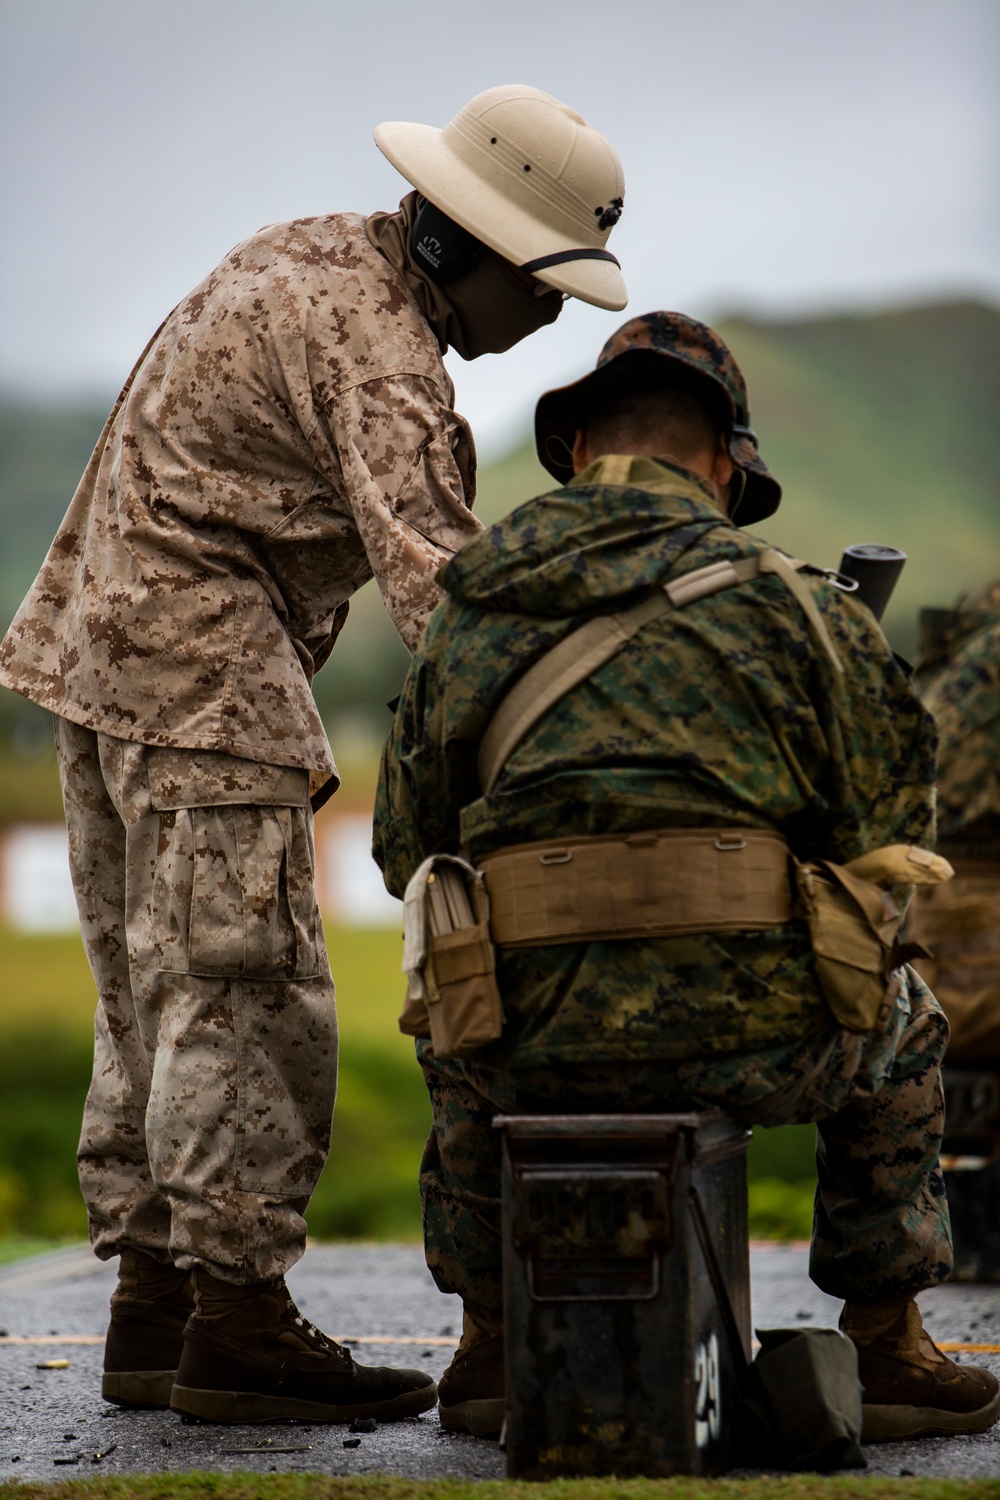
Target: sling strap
x=583 y=651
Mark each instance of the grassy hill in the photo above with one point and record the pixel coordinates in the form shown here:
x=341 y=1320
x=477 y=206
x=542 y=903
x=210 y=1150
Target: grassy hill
x=881 y=427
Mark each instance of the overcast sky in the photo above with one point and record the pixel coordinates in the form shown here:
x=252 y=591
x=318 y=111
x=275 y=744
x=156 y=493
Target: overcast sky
x=781 y=156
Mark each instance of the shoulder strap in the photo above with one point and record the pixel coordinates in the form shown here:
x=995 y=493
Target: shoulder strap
x=583 y=651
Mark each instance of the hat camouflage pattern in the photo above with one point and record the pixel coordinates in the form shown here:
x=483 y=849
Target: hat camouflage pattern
x=684 y=340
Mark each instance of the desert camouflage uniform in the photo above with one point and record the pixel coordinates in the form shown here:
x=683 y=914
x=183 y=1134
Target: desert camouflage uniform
x=725 y=713
x=959 y=674
x=287 y=434
x=208 y=1119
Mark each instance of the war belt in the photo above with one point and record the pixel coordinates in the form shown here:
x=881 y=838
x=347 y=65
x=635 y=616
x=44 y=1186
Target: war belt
x=660 y=883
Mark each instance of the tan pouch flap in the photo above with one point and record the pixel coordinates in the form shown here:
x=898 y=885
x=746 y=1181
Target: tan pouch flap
x=837 y=929
x=878 y=908
x=456 y=956
x=467 y=1016
x=452 y=995
x=900 y=864
x=414 y=1020
x=208 y=778
x=852 y=928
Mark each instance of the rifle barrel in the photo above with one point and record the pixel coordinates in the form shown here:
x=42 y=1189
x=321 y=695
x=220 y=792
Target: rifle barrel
x=876 y=571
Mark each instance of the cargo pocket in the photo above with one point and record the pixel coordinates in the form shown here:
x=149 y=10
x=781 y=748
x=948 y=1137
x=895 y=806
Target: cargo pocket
x=233 y=891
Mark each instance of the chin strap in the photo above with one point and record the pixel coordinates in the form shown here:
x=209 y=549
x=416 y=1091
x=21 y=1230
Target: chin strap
x=560 y=258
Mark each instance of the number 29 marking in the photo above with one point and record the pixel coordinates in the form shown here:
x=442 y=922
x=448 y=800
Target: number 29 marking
x=707 y=1404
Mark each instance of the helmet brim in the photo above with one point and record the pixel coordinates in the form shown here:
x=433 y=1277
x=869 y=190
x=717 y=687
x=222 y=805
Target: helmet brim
x=762 y=494
x=434 y=169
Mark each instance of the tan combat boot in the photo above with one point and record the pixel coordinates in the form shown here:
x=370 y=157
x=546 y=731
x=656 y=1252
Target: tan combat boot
x=149 y=1308
x=911 y=1389
x=472 y=1391
x=250 y=1356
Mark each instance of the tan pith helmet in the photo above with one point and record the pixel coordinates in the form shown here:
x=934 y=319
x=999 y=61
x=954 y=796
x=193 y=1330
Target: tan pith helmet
x=530 y=178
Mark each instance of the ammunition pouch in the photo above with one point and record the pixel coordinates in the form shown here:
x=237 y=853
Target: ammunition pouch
x=854 y=924
x=452 y=994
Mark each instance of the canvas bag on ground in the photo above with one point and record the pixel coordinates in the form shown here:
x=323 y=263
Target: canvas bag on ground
x=802 y=1408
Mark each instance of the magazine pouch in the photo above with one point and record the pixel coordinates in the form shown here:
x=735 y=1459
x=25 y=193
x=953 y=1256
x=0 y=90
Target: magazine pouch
x=452 y=994
x=854 y=920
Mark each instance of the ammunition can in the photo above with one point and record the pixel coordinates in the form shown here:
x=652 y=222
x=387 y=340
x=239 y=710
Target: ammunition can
x=627 y=1292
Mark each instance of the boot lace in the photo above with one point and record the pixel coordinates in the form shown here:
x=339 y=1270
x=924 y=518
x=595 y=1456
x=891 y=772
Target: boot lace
x=315 y=1335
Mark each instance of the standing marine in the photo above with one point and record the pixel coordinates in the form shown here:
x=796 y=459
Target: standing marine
x=288 y=433
x=958 y=673
x=697 y=855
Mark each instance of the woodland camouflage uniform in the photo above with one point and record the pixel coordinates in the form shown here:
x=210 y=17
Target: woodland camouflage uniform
x=958 y=672
x=287 y=434
x=726 y=713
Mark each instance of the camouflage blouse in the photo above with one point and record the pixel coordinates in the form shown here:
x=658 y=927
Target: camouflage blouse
x=728 y=712
x=287 y=434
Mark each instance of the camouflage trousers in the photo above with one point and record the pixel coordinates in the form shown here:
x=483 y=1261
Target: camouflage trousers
x=207 y=1122
x=880 y=1226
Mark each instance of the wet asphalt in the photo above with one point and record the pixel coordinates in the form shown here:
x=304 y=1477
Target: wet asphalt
x=54 y=1424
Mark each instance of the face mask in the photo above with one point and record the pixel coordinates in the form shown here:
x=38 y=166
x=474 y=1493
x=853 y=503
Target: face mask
x=494 y=307
x=486 y=311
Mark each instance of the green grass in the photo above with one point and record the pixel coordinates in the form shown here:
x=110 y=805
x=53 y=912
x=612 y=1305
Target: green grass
x=46 y=1025
x=782 y=1170
x=386 y=1487
x=20 y=1247
x=369 y=1189
x=29 y=785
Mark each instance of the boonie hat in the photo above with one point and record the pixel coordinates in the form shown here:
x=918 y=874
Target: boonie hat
x=530 y=178
x=640 y=341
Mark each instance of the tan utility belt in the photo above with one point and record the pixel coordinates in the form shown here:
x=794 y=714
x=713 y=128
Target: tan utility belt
x=650 y=884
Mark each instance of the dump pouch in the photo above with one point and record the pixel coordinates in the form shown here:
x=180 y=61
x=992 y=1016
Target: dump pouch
x=854 y=924
x=452 y=994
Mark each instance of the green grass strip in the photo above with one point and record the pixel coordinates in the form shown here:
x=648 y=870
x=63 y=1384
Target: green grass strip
x=384 y=1487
